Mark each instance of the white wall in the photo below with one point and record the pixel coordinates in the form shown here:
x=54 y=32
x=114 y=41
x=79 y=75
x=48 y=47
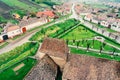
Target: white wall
x=13 y=33
x=116 y=28
x=88 y=19
x=104 y=23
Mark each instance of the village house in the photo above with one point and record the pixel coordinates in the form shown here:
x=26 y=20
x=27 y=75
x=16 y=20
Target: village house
x=13 y=30
x=88 y=17
x=116 y=26
x=105 y=23
x=50 y=15
x=46 y=69
x=63 y=9
x=28 y=23
x=56 y=49
x=95 y=20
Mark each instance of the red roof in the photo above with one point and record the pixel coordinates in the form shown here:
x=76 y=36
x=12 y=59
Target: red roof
x=48 y=13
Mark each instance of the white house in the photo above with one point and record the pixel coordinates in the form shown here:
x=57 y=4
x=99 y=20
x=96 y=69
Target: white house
x=104 y=23
x=95 y=20
x=13 y=31
x=115 y=26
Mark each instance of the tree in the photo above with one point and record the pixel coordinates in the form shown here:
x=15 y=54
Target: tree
x=73 y=40
x=88 y=46
x=78 y=42
x=101 y=48
x=114 y=50
x=67 y=41
x=104 y=44
x=43 y=31
x=82 y=41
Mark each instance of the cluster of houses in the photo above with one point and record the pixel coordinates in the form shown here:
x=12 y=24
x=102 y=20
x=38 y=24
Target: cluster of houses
x=56 y=59
x=63 y=9
x=100 y=16
x=26 y=23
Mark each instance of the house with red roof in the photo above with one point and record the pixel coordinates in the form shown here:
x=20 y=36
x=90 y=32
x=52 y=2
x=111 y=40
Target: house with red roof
x=46 y=14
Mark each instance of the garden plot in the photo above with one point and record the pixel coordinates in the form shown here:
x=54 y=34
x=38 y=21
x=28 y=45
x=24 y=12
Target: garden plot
x=82 y=37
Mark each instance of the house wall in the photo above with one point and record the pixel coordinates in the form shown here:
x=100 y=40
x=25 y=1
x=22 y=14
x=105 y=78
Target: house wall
x=94 y=21
x=59 y=61
x=13 y=33
x=116 y=28
x=88 y=19
x=103 y=23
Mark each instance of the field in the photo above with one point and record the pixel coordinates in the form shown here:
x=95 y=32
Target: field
x=18 y=74
x=28 y=2
x=79 y=33
x=15 y=64
x=17 y=4
x=4 y=10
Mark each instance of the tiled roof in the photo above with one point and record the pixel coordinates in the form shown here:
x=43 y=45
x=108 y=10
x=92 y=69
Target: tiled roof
x=81 y=67
x=12 y=28
x=55 y=47
x=46 y=69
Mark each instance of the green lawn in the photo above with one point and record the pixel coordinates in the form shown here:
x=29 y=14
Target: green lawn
x=11 y=74
x=84 y=36
x=79 y=33
x=18 y=4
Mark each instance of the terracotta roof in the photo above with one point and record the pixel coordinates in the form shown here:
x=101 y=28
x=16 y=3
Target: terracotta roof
x=55 y=47
x=46 y=69
x=48 y=13
x=81 y=67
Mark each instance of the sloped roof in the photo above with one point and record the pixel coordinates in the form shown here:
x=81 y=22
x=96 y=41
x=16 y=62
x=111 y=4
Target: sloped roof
x=81 y=67
x=47 y=13
x=55 y=47
x=46 y=69
x=12 y=28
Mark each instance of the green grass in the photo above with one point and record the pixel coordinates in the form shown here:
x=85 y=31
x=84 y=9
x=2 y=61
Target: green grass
x=10 y=74
x=21 y=5
x=79 y=33
x=94 y=54
x=19 y=53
